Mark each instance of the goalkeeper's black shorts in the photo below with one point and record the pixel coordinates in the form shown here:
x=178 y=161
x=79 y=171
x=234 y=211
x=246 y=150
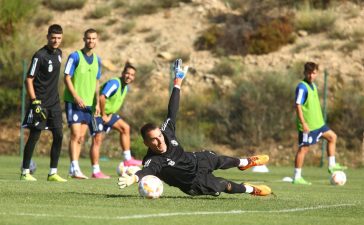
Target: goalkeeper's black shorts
x=205 y=182
x=53 y=120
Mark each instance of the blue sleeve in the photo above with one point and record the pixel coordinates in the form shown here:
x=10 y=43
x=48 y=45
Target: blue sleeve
x=99 y=71
x=110 y=88
x=301 y=94
x=72 y=63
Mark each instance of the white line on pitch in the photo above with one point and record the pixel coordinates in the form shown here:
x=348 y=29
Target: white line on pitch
x=144 y=216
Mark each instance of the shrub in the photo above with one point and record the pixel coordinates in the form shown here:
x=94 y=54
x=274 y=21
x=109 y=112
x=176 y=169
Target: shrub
x=270 y=36
x=346 y=117
x=126 y=27
x=9 y=100
x=63 y=5
x=70 y=37
x=42 y=19
x=299 y=47
x=152 y=37
x=259 y=36
x=145 y=7
x=349 y=47
x=102 y=33
x=314 y=21
x=144 y=73
x=209 y=38
x=100 y=12
x=227 y=67
x=247 y=116
x=118 y=3
x=184 y=55
x=12 y=13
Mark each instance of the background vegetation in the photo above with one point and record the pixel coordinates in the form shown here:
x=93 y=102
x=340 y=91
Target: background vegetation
x=255 y=113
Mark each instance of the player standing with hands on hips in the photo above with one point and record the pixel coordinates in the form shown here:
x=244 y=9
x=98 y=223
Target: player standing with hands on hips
x=191 y=172
x=310 y=123
x=45 y=109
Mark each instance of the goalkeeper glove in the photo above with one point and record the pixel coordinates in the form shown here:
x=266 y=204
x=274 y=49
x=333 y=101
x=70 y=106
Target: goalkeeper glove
x=178 y=72
x=38 y=110
x=125 y=180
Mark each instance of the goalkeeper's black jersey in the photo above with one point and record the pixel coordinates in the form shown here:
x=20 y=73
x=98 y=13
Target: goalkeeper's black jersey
x=45 y=69
x=175 y=167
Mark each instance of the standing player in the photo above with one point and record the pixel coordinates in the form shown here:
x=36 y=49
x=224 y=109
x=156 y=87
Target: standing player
x=310 y=123
x=82 y=74
x=45 y=108
x=191 y=172
x=112 y=96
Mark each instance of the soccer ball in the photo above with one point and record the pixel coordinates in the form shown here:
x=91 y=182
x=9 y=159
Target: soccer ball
x=121 y=169
x=150 y=187
x=338 y=178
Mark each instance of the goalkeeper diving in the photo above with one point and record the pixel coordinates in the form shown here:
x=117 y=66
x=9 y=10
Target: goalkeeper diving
x=191 y=172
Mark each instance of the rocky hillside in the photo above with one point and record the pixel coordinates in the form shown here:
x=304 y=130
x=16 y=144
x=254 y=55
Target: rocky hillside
x=157 y=38
x=152 y=41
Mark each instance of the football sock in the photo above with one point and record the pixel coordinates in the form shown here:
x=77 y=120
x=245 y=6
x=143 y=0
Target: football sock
x=332 y=161
x=297 y=173
x=52 y=171
x=75 y=165
x=96 y=168
x=25 y=171
x=243 y=162
x=127 y=154
x=248 y=189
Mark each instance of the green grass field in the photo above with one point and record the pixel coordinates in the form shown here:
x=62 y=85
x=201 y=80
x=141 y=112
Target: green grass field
x=101 y=202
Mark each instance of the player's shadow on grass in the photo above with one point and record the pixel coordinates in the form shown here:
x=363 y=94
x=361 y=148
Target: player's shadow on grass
x=204 y=197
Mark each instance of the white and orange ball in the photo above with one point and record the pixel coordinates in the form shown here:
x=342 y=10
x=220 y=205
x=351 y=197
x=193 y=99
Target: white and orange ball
x=338 y=178
x=150 y=187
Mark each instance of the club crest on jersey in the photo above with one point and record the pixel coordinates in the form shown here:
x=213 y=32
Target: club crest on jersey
x=174 y=143
x=171 y=162
x=50 y=66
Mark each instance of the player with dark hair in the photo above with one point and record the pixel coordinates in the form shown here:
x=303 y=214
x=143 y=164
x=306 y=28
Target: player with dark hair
x=82 y=74
x=112 y=96
x=45 y=110
x=310 y=123
x=191 y=172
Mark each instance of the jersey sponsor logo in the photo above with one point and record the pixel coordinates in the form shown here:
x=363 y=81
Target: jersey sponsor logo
x=163 y=128
x=171 y=162
x=146 y=164
x=50 y=66
x=174 y=143
x=34 y=66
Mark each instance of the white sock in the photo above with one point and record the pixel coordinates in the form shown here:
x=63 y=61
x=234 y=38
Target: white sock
x=249 y=189
x=96 y=168
x=52 y=171
x=332 y=161
x=243 y=162
x=297 y=173
x=75 y=165
x=127 y=154
x=25 y=171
